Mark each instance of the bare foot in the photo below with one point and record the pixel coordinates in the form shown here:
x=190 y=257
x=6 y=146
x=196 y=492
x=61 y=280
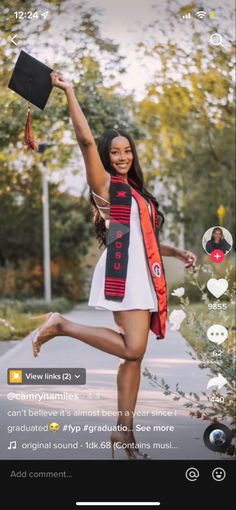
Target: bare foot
x=138 y=454
x=49 y=329
x=129 y=445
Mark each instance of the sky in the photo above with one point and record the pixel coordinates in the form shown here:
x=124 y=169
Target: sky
x=125 y=22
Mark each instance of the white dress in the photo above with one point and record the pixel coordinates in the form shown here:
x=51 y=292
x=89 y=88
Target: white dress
x=139 y=291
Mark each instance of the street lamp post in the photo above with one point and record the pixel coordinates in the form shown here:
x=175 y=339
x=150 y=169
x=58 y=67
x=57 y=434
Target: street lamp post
x=46 y=230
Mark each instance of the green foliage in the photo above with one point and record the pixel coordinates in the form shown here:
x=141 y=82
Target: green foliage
x=34 y=306
x=208 y=406
x=189 y=119
x=21 y=234
x=206 y=270
x=21 y=250
x=17 y=318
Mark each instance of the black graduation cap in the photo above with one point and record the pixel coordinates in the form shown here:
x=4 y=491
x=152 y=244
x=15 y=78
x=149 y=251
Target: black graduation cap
x=31 y=80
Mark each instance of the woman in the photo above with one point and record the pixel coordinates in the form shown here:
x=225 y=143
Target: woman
x=217 y=241
x=129 y=277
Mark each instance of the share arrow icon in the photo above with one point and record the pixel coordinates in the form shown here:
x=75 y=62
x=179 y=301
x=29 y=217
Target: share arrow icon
x=218 y=381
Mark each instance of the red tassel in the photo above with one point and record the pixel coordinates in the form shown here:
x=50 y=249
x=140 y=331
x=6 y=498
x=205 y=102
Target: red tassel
x=29 y=138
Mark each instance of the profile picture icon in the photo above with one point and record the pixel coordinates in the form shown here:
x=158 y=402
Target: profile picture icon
x=217 y=437
x=217 y=238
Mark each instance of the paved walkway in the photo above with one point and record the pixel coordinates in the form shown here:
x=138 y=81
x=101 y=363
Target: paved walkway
x=95 y=403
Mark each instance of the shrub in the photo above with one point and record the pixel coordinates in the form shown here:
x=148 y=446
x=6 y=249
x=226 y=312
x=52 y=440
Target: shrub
x=16 y=316
x=211 y=406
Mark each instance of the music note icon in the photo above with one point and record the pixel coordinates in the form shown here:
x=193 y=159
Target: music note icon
x=12 y=445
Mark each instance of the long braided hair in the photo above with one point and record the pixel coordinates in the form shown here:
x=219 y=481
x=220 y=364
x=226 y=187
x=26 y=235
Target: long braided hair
x=135 y=179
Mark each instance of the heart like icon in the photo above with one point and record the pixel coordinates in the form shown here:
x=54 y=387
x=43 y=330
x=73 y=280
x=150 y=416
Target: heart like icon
x=217 y=287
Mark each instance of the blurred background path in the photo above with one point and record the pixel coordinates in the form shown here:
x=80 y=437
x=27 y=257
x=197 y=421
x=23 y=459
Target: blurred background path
x=168 y=359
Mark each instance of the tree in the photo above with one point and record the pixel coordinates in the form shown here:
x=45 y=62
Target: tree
x=215 y=405
x=88 y=59
x=188 y=114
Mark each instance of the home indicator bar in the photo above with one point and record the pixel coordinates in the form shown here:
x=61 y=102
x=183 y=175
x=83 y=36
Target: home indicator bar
x=118 y=503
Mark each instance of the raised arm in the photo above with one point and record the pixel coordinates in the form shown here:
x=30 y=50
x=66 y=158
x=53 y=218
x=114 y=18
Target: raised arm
x=97 y=177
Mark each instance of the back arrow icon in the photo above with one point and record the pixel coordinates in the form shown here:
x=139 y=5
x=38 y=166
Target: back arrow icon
x=12 y=40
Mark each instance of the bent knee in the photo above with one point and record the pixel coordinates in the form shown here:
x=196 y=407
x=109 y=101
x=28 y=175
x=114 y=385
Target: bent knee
x=134 y=354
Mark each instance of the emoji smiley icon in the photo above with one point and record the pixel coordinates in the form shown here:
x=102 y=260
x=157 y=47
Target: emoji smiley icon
x=218 y=474
x=54 y=427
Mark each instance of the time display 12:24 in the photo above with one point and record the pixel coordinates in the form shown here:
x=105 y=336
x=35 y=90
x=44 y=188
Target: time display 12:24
x=30 y=14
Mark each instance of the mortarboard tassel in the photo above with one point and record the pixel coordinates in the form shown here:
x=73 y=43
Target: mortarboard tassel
x=29 y=138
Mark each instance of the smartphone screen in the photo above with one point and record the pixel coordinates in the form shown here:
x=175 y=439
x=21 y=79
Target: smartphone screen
x=117 y=253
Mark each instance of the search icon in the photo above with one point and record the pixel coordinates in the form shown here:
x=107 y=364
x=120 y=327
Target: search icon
x=216 y=39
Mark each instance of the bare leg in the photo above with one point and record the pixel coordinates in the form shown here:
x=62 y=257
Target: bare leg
x=128 y=378
x=128 y=381
x=128 y=345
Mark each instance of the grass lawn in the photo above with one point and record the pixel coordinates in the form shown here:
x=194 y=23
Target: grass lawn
x=20 y=325
x=17 y=318
x=20 y=315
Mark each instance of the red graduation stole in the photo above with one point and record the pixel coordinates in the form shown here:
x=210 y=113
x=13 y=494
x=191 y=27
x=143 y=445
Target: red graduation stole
x=117 y=249
x=149 y=227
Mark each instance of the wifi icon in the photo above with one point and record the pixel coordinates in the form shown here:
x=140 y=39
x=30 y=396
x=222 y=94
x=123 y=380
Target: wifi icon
x=201 y=14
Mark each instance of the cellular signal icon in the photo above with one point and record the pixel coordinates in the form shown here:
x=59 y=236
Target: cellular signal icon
x=187 y=16
x=201 y=14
